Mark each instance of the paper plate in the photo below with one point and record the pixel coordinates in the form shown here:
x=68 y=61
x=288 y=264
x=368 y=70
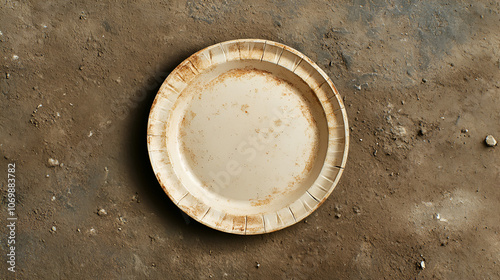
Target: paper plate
x=248 y=136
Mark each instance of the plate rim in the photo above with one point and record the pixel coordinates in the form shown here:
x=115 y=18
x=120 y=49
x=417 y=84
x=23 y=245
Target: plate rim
x=221 y=53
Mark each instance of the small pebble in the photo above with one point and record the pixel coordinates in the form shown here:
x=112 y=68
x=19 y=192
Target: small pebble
x=338 y=215
x=53 y=162
x=102 y=212
x=421 y=265
x=53 y=228
x=422 y=131
x=7 y=75
x=490 y=141
x=257 y=265
x=465 y=130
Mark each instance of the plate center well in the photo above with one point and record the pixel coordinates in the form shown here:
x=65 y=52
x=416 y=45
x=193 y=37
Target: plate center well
x=246 y=137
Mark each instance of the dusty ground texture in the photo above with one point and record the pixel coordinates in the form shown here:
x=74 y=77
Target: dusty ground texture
x=421 y=82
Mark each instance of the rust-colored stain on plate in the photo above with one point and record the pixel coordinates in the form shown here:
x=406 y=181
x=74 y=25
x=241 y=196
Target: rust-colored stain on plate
x=248 y=136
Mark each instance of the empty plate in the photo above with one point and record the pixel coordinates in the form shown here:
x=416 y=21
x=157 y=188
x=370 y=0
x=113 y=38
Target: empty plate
x=248 y=136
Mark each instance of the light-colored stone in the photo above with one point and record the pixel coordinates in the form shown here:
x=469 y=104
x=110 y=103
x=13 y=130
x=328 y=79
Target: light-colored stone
x=102 y=212
x=53 y=162
x=490 y=141
x=422 y=265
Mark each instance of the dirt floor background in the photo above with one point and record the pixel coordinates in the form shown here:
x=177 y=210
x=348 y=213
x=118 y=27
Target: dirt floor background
x=421 y=82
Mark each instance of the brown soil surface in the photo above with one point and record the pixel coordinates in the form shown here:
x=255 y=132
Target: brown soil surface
x=421 y=82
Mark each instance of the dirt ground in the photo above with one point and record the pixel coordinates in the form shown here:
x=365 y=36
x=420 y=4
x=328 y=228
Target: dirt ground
x=421 y=83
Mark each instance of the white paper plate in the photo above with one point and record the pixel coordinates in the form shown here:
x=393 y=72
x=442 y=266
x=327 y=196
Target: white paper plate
x=248 y=136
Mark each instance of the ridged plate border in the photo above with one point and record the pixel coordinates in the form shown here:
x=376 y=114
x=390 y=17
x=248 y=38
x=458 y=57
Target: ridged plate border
x=249 y=49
